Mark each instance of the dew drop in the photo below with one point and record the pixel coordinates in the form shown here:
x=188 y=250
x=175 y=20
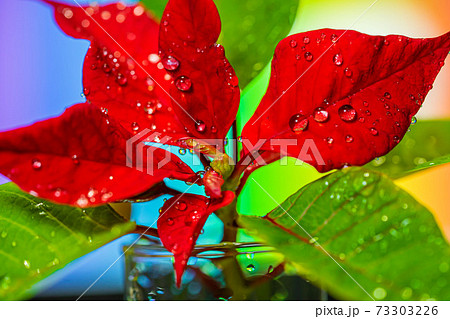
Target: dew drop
x=308 y=56
x=306 y=40
x=413 y=120
x=86 y=91
x=183 y=83
x=349 y=138
x=26 y=263
x=293 y=43
x=135 y=126
x=396 y=139
x=320 y=115
x=379 y=293
x=233 y=80
x=200 y=126
x=36 y=164
x=366 y=104
x=298 y=123
x=170 y=63
x=270 y=269
x=250 y=268
x=213 y=129
x=387 y=95
x=373 y=131
x=170 y=221
x=180 y=205
x=348 y=73
x=338 y=59
x=106 y=68
x=347 y=113
x=334 y=38
x=182 y=151
x=121 y=79
x=330 y=140
x=75 y=159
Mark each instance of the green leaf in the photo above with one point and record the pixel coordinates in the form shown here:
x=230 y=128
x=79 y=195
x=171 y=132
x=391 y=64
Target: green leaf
x=251 y=29
x=361 y=237
x=425 y=146
x=155 y=6
x=38 y=237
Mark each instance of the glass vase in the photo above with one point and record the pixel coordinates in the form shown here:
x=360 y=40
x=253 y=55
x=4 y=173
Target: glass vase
x=226 y=271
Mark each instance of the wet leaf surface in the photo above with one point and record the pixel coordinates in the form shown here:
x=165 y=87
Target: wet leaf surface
x=38 y=237
x=359 y=235
x=425 y=146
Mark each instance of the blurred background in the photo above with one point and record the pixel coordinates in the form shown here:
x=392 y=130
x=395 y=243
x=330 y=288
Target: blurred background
x=40 y=75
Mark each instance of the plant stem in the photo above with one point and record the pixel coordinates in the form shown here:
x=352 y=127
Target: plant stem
x=228 y=215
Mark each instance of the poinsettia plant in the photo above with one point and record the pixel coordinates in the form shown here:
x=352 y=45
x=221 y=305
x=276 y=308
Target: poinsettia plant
x=336 y=99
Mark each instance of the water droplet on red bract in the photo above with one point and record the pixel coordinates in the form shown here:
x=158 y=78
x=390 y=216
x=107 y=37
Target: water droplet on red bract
x=348 y=73
x=183 y=83
x=298 y=123
x=308 y=56
x=135 y=126
x=347 y=113
x=121 y=79
x=338 y=59
x=36 y=164
x=180 y=205
x=170 y=63
x=75 y=159
x=200 y=126
x=320 y=115
x=233 y=80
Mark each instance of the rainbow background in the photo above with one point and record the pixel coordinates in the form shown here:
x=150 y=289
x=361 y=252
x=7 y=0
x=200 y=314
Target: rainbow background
x=40 y=75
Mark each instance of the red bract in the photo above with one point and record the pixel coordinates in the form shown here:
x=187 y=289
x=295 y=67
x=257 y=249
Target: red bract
x=122 y=71
x=180 y=222
x=79 y=159
x=205 y=82
x=351 y=94
x=123 y=77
